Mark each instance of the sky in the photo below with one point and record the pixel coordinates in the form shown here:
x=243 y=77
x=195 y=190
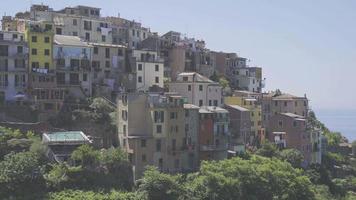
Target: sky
x=304 y=47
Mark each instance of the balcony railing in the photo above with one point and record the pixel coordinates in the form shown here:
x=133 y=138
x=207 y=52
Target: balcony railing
x=213 y=147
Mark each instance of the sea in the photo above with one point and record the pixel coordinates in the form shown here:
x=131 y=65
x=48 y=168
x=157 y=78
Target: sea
x=343 y=121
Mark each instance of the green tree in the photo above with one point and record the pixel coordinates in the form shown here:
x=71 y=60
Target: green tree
x=267 y=150
x=20 y=173
x=256 y=178
x=293 y=156
x=86 y=156
x=155 y=185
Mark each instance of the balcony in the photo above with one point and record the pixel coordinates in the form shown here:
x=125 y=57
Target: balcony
x=213 y=147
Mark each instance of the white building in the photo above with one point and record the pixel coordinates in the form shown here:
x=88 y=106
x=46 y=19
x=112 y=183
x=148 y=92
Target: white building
x=149 y=69
x=198 y=89
x=13 y=66
x=82 y=21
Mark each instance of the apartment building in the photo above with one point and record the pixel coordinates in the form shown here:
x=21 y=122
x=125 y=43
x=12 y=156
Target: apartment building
x=213 y=133
x=278 y=102
x=149 y=69
x=108 y=64
x=289 y=130
x=240 y=127
x=82 y=21
x=191 y=129
x=257 y=132
x=13 y=66
x=198 y=89
x=43 y=89
x=72 y=58
x=128 y=32
x=152 y=130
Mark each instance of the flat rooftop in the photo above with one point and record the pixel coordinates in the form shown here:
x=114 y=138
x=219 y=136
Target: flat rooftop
x=65 y=137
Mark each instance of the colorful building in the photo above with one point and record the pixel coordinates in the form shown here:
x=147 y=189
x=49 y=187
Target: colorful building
x=252 y=104
x=39 y=36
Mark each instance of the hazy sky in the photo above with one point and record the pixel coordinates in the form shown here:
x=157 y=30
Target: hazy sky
x=303 y=46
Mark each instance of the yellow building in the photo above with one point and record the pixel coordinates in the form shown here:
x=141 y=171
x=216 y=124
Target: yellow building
x=257 y=131
x=45 y=94
x=39 y=36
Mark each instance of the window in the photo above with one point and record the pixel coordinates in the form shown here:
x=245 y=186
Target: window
x=156 y=68
x=85 y=77
x=120 y=53
x=75 y=22
x=200 y=87
x=48 y=27
x=96 y=50
x=158 y=116
x=139 y=67
x=103 y=38
x=34 y=51
x=133 y=32
x=107 y=64
x=139 y=79
x=174 y=144
x=46 y=52
x=58 y=31
x=46 y=39
x=75 y=33
x=185 y=78
x=47 y=65
x=276 y=103
x=19 y=63
x=14 y=36
x=143 y=143
x=144 y=158
x=285 y=104
x=294 y=123
x=107 y=52
x=34 y=39
x=35 y=64
x=159 y=128
x=296 y=104
x=210 y=103
x=87 y=36
x=158 y=145
x=305 y=103
x=87 y=25
x=19 y=49
x=1 y=36
x=280 y=123
x=157 y=79
x=189 y=88
x=200 y=102
x=215 y=102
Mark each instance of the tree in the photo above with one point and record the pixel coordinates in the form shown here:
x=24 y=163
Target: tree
x=267 y=150
x=223 y=82
x=19 y=173
x=293 y=156
x=256 y=178
x=155 y=185
x=86 y=156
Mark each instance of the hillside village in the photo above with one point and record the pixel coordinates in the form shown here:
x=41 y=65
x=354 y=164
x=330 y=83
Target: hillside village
x=76 y=78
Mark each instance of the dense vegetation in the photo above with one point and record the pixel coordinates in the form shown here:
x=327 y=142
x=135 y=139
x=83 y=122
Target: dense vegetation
x=267 y=174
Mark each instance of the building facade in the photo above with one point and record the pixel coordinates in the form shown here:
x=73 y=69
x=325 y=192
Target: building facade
x=13 y=66
x=240 y=127
x=152 y=130
x=213 y=133
x=149 y=69
x=198 y=89
x=289 y=130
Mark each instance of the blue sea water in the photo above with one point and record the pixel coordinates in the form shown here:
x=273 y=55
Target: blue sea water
x=343 y=121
